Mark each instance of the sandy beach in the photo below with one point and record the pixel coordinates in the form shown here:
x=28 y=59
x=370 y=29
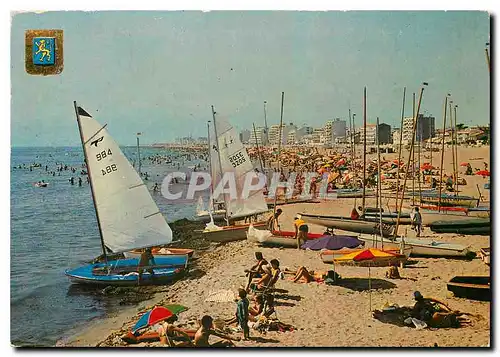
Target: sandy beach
x=324 y=315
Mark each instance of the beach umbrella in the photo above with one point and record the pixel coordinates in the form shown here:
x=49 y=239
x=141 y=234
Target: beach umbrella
x=368 y=257
x=483 y=173
x=333 y=176
x=157 y=314
x=332 y=242
x=427 y=166
x=464 y=164
x=341 y=162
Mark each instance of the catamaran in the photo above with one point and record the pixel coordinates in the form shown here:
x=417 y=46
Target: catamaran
x=127 y=216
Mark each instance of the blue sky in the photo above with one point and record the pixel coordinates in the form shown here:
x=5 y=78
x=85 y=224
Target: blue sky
x=159 y=72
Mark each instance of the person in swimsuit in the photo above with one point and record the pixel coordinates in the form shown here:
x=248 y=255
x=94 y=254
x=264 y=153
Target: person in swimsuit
x=257 y=270
x=307 y=275
x=206 y=329
x=270 y=277
x=272 y=222
x=147 y=259
x=301 y=230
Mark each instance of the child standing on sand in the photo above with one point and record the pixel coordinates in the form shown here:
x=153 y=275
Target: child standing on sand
x=242 y=313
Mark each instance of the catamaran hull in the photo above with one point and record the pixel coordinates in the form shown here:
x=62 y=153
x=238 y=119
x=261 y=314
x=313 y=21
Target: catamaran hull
x=452 y=201
x=389 y=218
x=480 y=226
x=166 y=252
x=348 y=224
x=169 y=268
x=270 y=201
x=231 y=233
x=471 y=287
x=420 y=247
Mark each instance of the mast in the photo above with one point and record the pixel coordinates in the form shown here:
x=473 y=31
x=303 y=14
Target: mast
x=258 y=150
x=456 y=150
x=452 y=132
x=210 y=164
x=279 y=148
x=431 y=137
x=487 y=57
x=400 y=144
x=379 y=186
x=442 y=155
x=265 y=115
x=138 y=155
x=220 y=163
x=103 y=246
x=364 y=149
x=350 y=136
x=411 y=149
x=353 y=139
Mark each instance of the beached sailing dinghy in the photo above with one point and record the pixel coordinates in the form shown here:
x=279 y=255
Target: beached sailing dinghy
x=420 y=247
x=276 y=238
x=127 y=216
x=228 y=155
x=371 y=226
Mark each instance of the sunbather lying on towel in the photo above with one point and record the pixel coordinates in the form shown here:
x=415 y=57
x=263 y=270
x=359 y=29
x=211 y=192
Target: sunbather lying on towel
x=206 y=329
x=307 y=275
x=168 y=332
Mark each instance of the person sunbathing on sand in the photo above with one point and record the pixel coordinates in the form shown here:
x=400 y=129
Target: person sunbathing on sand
x=306 y=275
x=256 y=271
x=168 y=332
x=206 y=329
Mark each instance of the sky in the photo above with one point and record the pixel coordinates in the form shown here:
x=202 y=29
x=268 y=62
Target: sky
x=159 y=72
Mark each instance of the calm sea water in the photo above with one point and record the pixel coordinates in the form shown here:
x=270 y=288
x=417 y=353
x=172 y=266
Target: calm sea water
x=55 y=228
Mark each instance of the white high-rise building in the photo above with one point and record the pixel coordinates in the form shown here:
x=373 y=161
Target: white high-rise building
x=258 y=137
x=274 y=133
x=371 y=134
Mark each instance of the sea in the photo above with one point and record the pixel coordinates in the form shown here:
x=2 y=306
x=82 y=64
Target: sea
x=55 y=228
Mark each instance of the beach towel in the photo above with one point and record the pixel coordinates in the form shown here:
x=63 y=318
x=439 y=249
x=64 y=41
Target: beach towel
x=221 y=296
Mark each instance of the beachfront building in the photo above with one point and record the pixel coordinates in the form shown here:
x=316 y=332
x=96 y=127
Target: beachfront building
x=186 y=140
x=258 y=137
x=305 y=130
x=425 y=128
x=371 y=134
x=338 y=131
x=274 y=133
x=306 y=139
x=396 y=136
x=384 y=134
x=327 y=128
x=318 y=136
x=245 y=136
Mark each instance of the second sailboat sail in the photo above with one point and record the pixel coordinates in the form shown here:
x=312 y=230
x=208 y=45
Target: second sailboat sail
x=229 y=155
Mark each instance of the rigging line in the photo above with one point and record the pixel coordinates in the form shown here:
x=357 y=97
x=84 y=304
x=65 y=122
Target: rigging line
x=97 y=132
x=139 y=185
x=153 y=214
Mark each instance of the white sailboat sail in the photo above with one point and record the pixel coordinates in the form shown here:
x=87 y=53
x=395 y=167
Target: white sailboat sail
x=234 y=158
x=128 y=216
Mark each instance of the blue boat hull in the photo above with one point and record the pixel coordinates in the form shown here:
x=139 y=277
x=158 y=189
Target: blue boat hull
x=168 y=269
